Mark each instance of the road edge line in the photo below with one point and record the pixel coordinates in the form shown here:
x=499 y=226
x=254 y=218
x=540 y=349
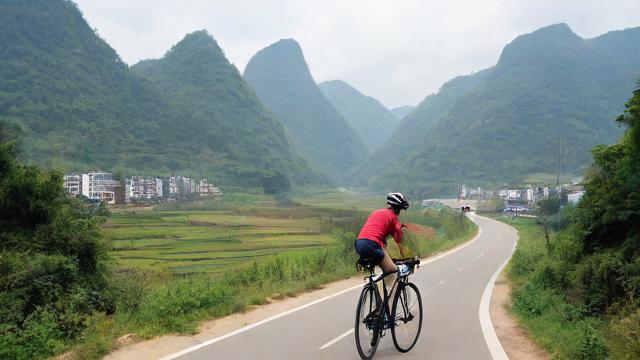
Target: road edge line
x=488 y=331
x=290 y=311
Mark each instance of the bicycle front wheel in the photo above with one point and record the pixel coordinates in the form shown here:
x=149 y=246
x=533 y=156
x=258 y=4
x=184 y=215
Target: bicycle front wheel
x=366 y=329
x=407 y=314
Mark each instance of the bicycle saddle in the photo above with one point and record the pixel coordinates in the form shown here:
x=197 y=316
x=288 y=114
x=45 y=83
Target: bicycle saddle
x=367 y=264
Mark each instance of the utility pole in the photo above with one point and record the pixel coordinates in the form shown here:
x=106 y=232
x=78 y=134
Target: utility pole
x=558 y=164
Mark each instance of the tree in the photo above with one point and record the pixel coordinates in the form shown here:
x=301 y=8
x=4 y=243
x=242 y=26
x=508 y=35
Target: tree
x=52 y=259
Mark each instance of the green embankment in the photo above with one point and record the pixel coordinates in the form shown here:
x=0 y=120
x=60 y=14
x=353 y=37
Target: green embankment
x=547 y=301
x=559 y=325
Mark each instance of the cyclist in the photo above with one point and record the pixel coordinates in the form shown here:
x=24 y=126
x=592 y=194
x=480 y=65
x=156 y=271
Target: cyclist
x=381 y=224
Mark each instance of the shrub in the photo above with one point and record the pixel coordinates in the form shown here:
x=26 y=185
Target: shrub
x=623 y=336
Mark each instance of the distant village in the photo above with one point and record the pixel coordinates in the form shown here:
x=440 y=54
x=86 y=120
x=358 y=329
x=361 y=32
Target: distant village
x=102 y=186
x=515 y=200
x=523 y=200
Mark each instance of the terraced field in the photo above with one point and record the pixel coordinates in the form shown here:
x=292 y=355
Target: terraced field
x=207 y=241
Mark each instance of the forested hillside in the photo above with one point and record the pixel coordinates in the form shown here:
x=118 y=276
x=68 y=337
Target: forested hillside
x=80 y=107
x=73 y=96
x=281 y=78
x=218 y=116
x=543 y=106
x=368 y=117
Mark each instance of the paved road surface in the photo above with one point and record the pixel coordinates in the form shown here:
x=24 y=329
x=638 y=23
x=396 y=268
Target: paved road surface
x=451 y=288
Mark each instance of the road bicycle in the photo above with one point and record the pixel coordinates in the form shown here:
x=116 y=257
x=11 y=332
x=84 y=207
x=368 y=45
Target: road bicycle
x=374 y=317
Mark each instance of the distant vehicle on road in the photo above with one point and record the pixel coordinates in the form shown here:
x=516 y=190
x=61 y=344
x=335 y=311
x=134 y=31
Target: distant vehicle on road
x=465 y=208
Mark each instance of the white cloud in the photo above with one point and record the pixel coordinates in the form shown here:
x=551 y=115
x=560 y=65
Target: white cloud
x=395 y=50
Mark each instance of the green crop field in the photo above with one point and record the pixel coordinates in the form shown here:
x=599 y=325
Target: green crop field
x=206 y=241
x=213 y=236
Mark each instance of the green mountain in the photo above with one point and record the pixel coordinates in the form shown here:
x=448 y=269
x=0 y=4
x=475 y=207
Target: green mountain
x=217 y=115
x=540 y=109
x=81 y=107
x=281 y=78
x=402 y=111
x=368 y=117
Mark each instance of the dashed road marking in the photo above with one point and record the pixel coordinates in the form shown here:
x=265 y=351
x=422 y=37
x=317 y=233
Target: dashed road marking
x=336 y=339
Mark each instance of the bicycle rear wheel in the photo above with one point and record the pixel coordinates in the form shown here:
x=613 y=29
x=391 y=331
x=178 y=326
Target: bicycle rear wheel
x=366 y=327
x=407 y=314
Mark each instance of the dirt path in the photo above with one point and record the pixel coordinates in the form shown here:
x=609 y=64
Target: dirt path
x=513 y=338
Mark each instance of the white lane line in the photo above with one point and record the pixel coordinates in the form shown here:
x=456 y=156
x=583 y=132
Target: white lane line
x=338 y=338
x=485 y=252
x=490 y=337
x=455 y=249
x=254 y=325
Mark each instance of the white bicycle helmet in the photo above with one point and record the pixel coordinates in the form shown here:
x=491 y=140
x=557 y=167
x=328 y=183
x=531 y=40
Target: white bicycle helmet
x=397 y=201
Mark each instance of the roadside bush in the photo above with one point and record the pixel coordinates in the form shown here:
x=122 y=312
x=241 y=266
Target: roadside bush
x=39 y=336
x=52 y=261
x=623 y=336
x=592 y=346
x=599 y=280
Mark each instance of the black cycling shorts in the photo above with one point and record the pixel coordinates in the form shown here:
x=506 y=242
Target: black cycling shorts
x=369 y=249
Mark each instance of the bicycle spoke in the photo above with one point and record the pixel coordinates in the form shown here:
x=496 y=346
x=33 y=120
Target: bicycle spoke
x=408 y=318
x=366 y=330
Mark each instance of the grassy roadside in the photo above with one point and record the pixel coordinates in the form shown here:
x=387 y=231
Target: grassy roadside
x=151 y=303
x=558 y=324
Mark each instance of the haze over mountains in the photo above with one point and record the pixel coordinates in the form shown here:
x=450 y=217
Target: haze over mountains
x=552 y=95
x=281 y=78
x=368 y=117
x=401 y=111
x=81 y=107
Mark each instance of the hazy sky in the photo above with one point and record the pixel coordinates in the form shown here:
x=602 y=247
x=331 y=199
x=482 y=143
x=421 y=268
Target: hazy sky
x=397 y=51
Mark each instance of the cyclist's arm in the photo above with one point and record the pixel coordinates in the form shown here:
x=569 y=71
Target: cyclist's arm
x=396 y=231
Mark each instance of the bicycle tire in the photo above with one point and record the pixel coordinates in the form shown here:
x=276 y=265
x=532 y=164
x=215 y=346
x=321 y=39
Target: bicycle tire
x=405 y=336
x=367 y=337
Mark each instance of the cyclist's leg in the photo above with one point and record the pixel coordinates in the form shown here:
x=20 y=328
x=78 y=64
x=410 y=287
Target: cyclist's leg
x=388 y=265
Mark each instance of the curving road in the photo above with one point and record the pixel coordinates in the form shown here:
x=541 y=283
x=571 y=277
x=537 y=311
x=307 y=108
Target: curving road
x=456 y=324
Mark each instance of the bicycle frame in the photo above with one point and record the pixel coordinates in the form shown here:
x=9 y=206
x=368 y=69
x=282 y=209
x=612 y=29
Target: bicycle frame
x=384 y=308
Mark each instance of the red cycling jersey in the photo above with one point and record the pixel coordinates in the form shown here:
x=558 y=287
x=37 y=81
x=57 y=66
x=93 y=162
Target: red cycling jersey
x=380 y=224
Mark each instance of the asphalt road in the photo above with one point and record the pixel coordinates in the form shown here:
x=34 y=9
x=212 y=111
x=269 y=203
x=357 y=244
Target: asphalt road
x=452 y=289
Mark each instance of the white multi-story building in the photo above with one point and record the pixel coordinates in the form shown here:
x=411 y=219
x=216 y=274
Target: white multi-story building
x=99 y=186
x=208 y=190
x=179 y=186
x=514 y=194
x=140 y=187
x=73 y=184
x=530 y=195
x=94 y=185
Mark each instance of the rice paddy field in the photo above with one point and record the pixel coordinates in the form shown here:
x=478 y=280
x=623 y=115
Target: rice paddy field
x=208 y=241
x=211 y=241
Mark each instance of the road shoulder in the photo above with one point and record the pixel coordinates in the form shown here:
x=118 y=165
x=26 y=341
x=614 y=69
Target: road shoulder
x=514 y=339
